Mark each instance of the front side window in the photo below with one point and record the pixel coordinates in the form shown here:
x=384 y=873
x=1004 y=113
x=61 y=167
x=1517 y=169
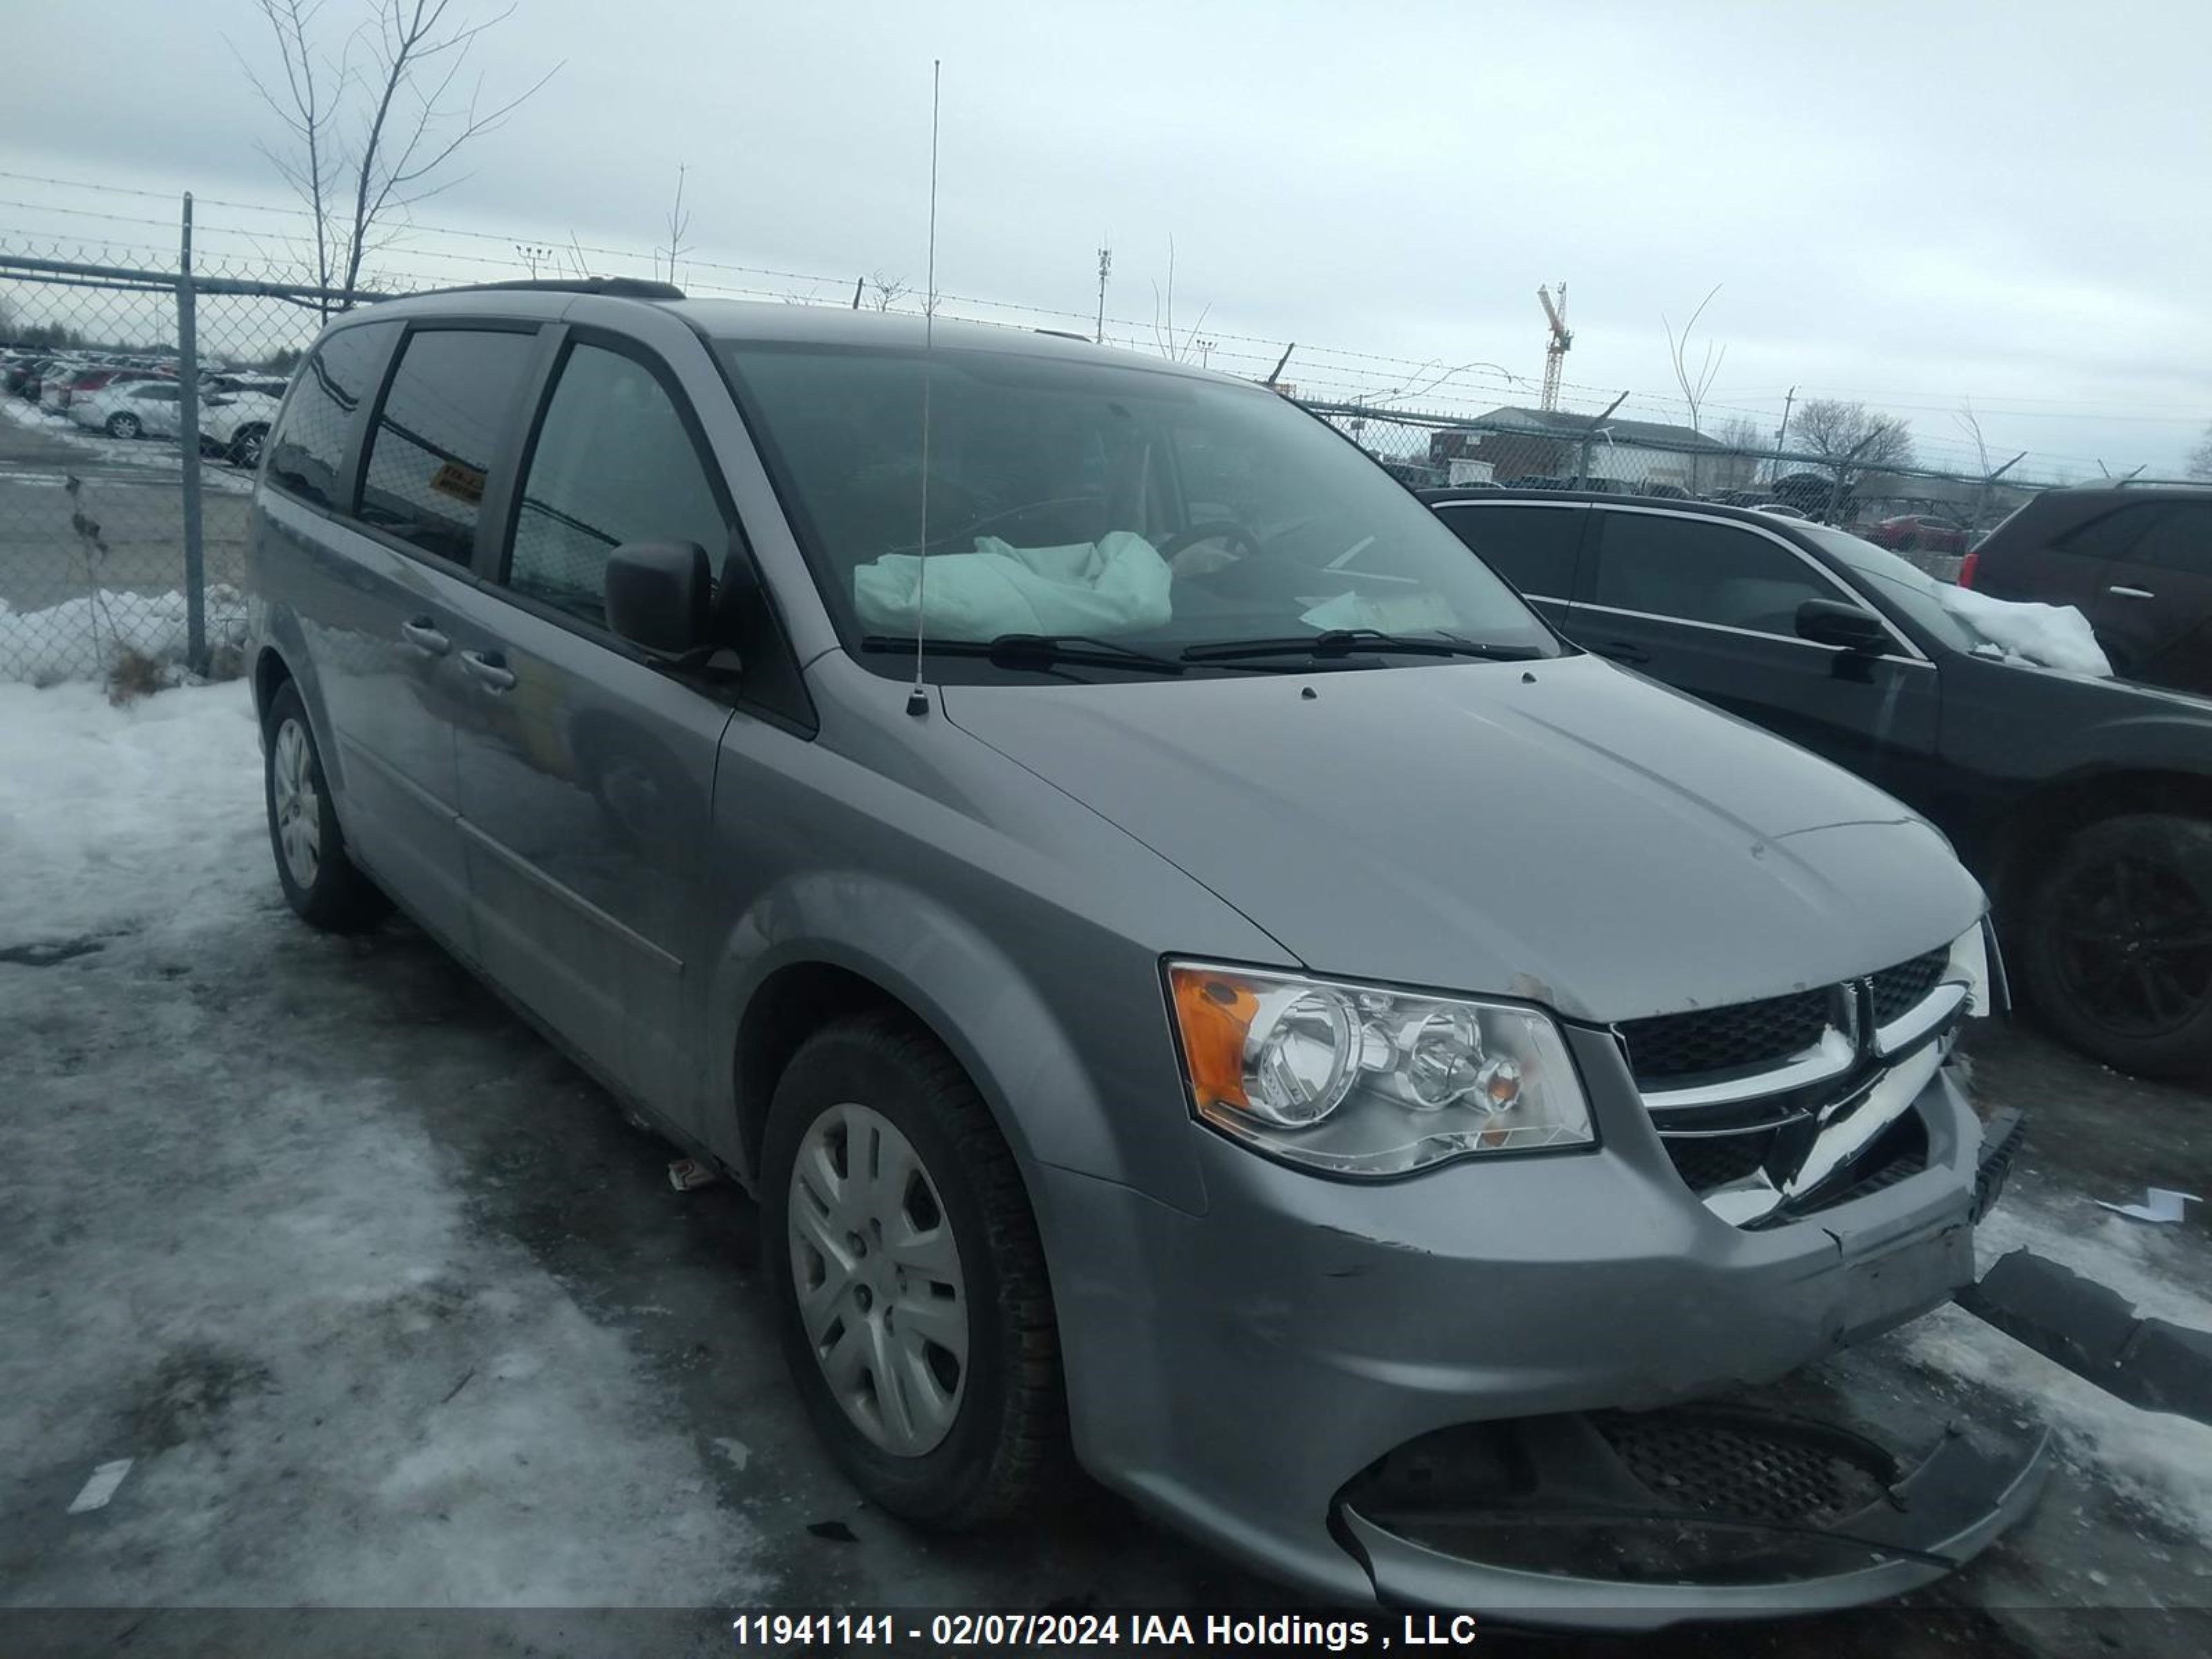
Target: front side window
x=308 y=446
x=1161 y=512
x=1701 y=571
x=613 y=464
x=450 y=404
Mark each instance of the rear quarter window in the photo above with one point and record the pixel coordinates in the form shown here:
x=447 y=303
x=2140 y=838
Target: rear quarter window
x=308 y=446
x=452 y=402
x=1532 y=547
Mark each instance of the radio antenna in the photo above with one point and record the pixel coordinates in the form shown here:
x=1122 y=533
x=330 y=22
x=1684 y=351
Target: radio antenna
x=917 y=701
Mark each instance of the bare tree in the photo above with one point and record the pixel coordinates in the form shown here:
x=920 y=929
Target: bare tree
x=884 y=292
x=2199 y=459
x=1851 y=439
x=1175 y=348
x=1695 y=382
x=1971 y=424
x=678 y=223
x=305 y=106
x=371 y=132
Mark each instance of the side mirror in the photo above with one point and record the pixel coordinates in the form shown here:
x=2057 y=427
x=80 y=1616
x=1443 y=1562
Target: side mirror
x=1831 y=622
x=661 y=595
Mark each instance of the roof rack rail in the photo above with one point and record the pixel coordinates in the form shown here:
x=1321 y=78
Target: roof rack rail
x=616 y=287
x=1065 y=334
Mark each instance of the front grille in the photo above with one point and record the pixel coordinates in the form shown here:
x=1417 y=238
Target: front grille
x=1739 y=1037
x=1711 y=1161
x=1898 y=990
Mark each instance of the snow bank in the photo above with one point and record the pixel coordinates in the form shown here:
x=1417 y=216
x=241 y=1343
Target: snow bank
x=114 y=818
x=2163 y=1462
x=79 y=639
x=2052 y=635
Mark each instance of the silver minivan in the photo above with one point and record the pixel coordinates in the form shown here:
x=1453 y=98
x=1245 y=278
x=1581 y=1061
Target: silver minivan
x=1200 y=980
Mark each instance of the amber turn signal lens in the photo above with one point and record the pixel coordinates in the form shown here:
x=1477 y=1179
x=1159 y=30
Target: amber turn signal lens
x=1216 y=1013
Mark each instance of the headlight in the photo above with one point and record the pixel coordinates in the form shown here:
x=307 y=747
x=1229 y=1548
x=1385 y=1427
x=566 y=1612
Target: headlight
x=1361 y=1081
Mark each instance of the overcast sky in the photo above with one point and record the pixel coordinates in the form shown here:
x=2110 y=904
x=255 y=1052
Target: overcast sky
x=1910 y=204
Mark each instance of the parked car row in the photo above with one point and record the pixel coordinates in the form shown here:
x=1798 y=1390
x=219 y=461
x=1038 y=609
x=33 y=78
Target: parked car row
x=2084 y=804
x=139 y=397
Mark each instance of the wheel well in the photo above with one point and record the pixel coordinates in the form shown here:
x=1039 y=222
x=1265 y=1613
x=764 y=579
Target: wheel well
x=791 y=1005
x=2041 y=822
x=270 y=675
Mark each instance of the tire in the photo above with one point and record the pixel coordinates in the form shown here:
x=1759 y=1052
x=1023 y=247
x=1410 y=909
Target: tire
x=245 y=447
x=123 y=425
x=2117 y=955
x=320 y=883
x=1007 y=1431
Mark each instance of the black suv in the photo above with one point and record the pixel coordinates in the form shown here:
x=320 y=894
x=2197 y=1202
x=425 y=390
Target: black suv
x=2136 y=562
x=2084 y=805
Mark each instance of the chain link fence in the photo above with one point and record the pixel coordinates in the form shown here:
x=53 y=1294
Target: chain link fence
x=133 y=403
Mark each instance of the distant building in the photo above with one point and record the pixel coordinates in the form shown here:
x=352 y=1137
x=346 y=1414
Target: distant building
x=1536 y=443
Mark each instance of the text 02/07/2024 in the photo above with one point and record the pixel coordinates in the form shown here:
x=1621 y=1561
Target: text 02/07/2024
x=1166 y=1633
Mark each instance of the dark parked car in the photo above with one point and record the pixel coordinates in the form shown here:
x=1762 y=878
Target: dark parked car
x=2136 y=562
x=2085 y=804
x=1920 y=532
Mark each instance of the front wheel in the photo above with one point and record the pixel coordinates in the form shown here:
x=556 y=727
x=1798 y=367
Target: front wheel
x=2117 y=957
x=123 y=425
x=246 y=448
x=909 y=1282
x=320 y=883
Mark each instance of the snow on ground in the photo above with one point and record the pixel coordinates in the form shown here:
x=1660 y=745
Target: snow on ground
x=236 y=1257
x=79 y=639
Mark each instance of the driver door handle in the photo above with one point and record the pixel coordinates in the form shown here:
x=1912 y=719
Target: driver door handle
x=2131 y=592
x=422 y=634
x=488 y=669
x=1622 y=651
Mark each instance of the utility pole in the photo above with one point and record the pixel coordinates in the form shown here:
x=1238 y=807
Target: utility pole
x=1782 y=431
x=1105 y=264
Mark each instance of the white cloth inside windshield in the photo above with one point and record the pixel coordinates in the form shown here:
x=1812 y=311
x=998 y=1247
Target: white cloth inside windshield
x=1115 y=584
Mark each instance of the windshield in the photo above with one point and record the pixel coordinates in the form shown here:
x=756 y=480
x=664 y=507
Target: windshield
x=1901 y=586
x=1156 y=513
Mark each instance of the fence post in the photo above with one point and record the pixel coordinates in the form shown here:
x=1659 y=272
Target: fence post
x=188 y=442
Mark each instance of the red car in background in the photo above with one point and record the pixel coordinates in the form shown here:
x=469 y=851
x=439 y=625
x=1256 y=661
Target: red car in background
x=1918 y=532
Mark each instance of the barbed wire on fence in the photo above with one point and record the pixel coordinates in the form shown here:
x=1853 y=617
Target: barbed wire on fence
x=97 y=489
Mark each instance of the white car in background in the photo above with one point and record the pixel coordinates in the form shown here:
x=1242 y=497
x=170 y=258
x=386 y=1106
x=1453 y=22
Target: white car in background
x=232 y=424
x=129 y=409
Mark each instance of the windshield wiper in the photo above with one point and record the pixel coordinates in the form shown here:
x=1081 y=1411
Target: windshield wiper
x=1343 y=641
x=1026 y=650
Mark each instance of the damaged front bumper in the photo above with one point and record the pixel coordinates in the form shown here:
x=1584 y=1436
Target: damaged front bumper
x=1241 y=1373
x=1629 y=1521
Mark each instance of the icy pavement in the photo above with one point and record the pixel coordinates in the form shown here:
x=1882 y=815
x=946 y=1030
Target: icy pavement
x=388 y=1307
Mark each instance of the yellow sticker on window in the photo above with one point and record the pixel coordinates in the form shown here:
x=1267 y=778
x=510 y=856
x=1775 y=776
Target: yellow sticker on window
x=464 y=482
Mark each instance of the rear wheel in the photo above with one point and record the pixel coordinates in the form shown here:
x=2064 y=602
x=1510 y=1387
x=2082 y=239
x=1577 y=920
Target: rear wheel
x=2118 y=954
x=245 y=447
x=325 y=887
x=909 y=1282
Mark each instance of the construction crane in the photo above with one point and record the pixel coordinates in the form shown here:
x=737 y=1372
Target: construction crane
x=1557 y=349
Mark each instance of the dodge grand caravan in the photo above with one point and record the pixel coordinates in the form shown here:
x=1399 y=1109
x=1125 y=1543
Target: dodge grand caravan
x=1199 y=976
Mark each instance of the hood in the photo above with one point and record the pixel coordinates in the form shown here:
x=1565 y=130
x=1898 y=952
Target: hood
x=1559 y=830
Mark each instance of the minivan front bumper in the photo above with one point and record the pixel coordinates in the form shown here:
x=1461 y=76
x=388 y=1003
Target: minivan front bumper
x=1234 y=1371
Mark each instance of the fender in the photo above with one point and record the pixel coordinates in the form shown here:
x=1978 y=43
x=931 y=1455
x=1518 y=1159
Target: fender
x=989 y=1010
